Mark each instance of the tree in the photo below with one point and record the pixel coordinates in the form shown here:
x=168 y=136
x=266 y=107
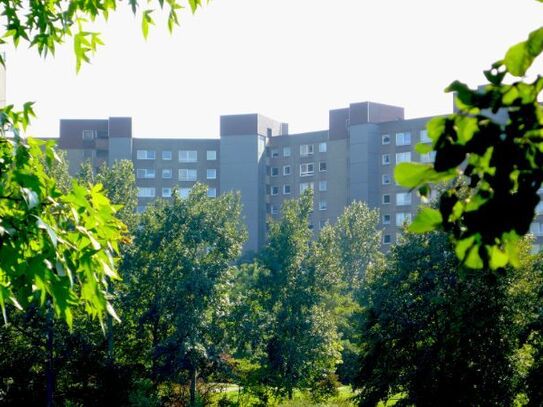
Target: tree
x=301 y=345
x=359 y=246
x=435 y=333
x=119 y=182
x=494 y=140
x=176 y=275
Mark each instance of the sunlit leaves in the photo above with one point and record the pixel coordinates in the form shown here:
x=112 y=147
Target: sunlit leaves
x=496 y=138
x=45 y=25
x=54 y=245
x=426 y=220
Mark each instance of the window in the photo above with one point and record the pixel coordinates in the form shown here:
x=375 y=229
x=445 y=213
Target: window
x=166 y=173
x=304 y=186
x=386 y=219
x=323 y=185
x=211 y=173
x=385 y=159
x=424 y=136
x=145 y=173
x=268 y=132
x=286 y=169
x=286 y=151
x=386 y=179
x=286 y=189
x=322 y=205
x=536 y=228
x=274 y=171
x=386 y=199
x=403 y=217
x=403 y=139
x=306 y=150
x=145 y=154
x=403 y=157
x=275 y=190
x=428 y=157
x=322 y=147
x=274 y=210
x=166 y=192
x=211 y=155
x=403 y=198
x=387 y=239
x=212 y=192
x=188 y=156
x=88 y=135
x=322 y=223
x=186 y=174
x=184 y=192
x=322 y=166
x=146 y=192
x=275 y=152
x=140 y=208
x=307 y=169
x=166 y=155
x=385 y=139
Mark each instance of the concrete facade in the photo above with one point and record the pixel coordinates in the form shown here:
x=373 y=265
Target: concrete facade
x=353 y=159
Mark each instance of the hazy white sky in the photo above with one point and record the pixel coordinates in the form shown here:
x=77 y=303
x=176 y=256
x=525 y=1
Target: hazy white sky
x=291 y=60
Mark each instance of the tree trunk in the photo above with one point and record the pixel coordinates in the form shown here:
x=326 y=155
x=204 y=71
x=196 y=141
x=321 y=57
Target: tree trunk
x=49 y=372
x=193 y=376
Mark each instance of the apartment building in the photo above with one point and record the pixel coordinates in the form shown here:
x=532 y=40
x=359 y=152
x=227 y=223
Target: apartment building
x=353 y=159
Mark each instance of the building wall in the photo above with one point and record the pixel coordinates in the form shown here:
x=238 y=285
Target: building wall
x=353 y=159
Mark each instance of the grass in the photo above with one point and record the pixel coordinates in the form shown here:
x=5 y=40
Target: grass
x=343 y=399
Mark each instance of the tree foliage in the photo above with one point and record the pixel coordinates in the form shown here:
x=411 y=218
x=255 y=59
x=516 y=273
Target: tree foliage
x=53 y=246
x=435 y=333
x=45 y=26
x=494 y=140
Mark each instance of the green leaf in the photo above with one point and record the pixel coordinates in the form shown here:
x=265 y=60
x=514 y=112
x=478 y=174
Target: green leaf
x=521 y=56
x=412 y=175
x=52 y=235
x=498 y=258
x=427 y=219
x=30 y=197
x=146 y=21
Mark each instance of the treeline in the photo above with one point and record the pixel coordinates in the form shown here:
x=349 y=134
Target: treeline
x=307 y=313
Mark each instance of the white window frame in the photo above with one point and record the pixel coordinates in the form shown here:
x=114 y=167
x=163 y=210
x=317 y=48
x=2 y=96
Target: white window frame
x=165 y=154
x=145 y=173
x=403 y=217
x=276 y=171
x=428 y=157
x=323 y=147
x=165 y=175
x=307 y=169
x=211 y=192
x=188 y=174
x=274 y=190
x=386 y=179
x=385 y=159
x=274 y=210
x=306 y=150
x=383 y=200
x=403 y=138
x=211 y=155
x=274 y=152
x=385 y=239
x=403 y=157
x=286 y=170
x=386 y=222
x=145 y=154
x=211 y=173
x=320 y=166
x=166 y=192
x=285 y=187
x=424 y=136
x=323 y=205
x=385 y=139
x=323 y=185
x=286 y=152
x=188 y=156
x=89 y=135
x=404 y=199
x=146 y=192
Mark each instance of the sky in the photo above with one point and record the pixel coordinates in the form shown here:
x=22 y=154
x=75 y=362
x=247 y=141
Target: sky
x=291 y=60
